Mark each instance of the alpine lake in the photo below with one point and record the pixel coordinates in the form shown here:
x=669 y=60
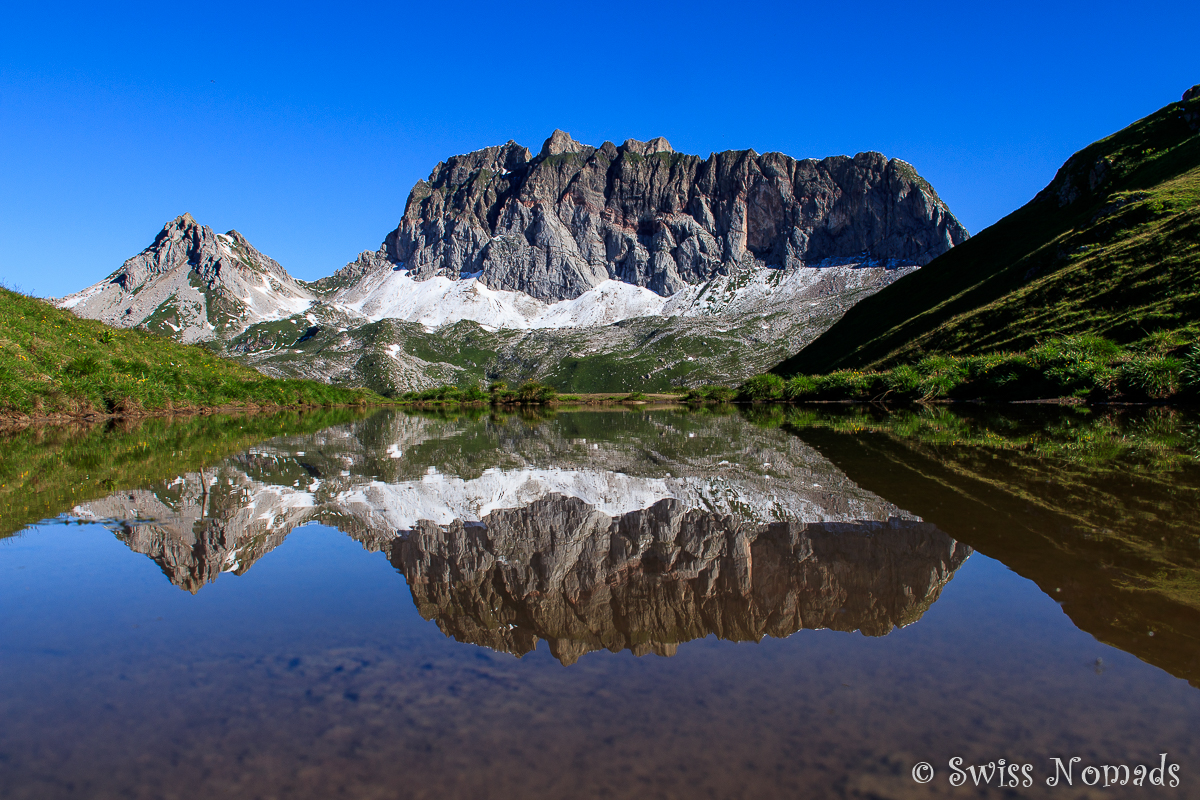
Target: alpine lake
x=651 y=602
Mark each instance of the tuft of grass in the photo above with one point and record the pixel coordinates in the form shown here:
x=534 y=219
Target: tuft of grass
x=767 y=387
x=534 y=393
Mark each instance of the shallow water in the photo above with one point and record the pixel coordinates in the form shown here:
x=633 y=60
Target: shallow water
x=603 y=604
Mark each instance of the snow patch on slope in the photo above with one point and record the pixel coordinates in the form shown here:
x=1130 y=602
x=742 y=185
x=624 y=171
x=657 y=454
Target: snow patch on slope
x=437 y=301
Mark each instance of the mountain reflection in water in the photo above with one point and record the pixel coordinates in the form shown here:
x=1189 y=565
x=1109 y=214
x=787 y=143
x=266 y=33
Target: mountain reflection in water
x=558 y=569
x=585 y=544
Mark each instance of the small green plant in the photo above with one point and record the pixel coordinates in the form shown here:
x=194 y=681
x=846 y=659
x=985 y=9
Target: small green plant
x=719 y=394
x=766 y=387
x=1189 y=374
x=528 y=393
x=473 y=394
x=1155 y=377
x=800 y=387
x=81 y=366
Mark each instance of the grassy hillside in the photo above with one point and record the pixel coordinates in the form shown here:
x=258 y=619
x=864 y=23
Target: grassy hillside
x=1078 y=368
x=54 y=362
x=1111 y=247
x=393 y=356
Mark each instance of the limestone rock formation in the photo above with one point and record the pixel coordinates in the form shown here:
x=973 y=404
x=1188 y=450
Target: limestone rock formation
x=558 y=224
x=202 y=524
x=194 y=285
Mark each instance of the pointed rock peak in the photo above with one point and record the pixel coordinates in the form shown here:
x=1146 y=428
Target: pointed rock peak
x=178 y=229
x=515 y=154
x=238 y=238
x=1188 y=95
x=182 y=222
x=656 y=145
x=560 y=142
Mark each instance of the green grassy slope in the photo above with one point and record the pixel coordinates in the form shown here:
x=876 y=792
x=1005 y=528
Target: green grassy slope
x=649 y=354
x=1110 y=247
x=54 y=362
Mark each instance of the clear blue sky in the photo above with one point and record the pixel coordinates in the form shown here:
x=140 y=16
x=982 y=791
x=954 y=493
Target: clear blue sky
x=305 y=125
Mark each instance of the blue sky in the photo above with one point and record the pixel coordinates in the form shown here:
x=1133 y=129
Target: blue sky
x=305 y=125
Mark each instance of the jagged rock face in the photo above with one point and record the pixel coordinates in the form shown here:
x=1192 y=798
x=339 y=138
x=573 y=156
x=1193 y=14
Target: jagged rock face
x=193 y=284
x=556 y=225
x=559 y=569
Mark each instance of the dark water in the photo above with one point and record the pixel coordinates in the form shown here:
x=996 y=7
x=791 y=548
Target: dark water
x=601 y=604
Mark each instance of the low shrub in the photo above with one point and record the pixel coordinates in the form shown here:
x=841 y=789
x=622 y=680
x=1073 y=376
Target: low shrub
x=719 y=394
x=766 y=387
x=534 y=393
x=801 y=387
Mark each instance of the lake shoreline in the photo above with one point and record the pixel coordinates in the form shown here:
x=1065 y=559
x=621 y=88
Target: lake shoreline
x=15 y=421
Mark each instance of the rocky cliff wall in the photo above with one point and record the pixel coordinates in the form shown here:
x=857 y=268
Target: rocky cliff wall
x=557 y=224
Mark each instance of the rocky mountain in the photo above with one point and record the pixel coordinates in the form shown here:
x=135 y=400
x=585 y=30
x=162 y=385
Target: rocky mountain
x=194 y=285
x=594 y=268
x=1111 y=247
x=202 y=524
x=558 y=224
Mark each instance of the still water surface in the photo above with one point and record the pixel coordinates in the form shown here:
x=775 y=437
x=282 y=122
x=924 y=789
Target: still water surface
x=600 y=604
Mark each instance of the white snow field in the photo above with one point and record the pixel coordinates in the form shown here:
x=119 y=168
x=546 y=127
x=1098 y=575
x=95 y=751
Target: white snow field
x=434 y=302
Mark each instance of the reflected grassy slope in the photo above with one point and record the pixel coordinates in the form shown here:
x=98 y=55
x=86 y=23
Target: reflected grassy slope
x=45 y=472
x=1100 y=510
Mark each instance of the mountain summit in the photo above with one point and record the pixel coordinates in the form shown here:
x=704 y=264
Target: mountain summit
x=560 y=223
x=193 y=284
